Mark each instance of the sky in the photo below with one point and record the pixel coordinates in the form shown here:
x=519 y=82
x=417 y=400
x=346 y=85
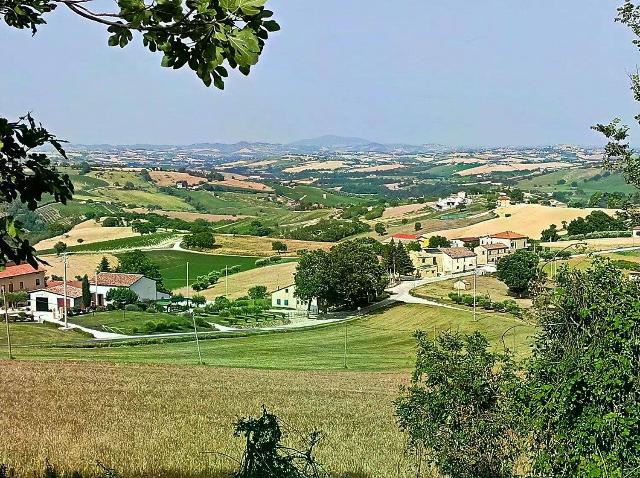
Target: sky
x=464 y=73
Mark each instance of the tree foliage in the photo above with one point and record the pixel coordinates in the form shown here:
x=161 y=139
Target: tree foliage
x=458 y=406
x=439 y=241
x=86 y=291
x=208 y=36
x=583 y=381
x=136 y=262
x=518 y=271
x=350 y=274
x=122 y=296
x=396 y=258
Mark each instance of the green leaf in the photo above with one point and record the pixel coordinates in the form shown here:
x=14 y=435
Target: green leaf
x=11 y=227
x=245 y=44
x=114 y=40
x=248 y=7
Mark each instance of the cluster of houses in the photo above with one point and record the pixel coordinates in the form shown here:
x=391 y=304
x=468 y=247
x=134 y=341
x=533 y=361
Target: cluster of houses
x=49 y=296
x=452 y=202
x=466 y=254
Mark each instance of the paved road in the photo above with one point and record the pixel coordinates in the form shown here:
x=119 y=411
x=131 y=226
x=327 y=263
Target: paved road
x=402 y=292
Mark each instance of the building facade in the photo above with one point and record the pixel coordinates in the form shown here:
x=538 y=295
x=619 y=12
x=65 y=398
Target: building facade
x=22 y=277
x=512 y=240
x=491 y=253
x=285 y=298
x=458 y=259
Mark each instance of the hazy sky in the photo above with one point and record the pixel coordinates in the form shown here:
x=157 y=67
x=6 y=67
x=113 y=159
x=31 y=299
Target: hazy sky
x=469 y=72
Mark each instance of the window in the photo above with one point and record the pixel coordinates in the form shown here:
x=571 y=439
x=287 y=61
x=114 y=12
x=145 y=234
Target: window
x=278 y=301
x=286 y=291
x=21 y=285
x=286 y=302
x=37 y=281
x=11 y=287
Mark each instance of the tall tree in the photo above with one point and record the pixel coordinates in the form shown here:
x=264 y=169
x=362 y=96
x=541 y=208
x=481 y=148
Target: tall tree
x=86 y=291
x=518 y=271
x=104 y=265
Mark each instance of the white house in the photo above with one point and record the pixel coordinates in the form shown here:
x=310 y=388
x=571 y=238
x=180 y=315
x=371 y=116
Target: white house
x=285 y=298
x=144 y=287
x=452 y=201
x=457 y=259
x=51 y=299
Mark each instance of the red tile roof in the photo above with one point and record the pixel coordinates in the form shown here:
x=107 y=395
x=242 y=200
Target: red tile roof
x=458 y=252
x=401 y=235
x=72 y=292
x=19 y=270
x=508 y=235
x=72 y=283
x=118 y=279
x=495 y=247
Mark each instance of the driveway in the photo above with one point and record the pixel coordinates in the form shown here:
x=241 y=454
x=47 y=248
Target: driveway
x=402 y=291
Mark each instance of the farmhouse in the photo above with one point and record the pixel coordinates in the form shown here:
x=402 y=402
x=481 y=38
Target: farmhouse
x=145 y=288
x=512 y=240
x=465 y=241
x=51 y=299
x=427 y=262
x=285 y=298
x=451 y=202
x=490 y=253
x=21 y=277
x=457 y=259
x=503 y=201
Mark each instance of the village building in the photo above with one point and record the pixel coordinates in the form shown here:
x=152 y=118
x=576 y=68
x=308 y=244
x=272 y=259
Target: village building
x=402 y=237
x=512 y=240
x=285 y=298
x=182 y=184
x=458 y=259
x=491 y=253
x=51 y=299
x=427 y=262
x=452 y=202
x=503 y=201
x=22 y=277
x=145 y=288
x=465 y=242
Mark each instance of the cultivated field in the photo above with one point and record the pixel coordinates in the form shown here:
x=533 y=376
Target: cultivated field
x=237 y=183
x=273 y=277
x=497 y=168
x=169 y=178
x=262 y=246
x=316 y=166
x=177 y=422
x=399 y=211
x=77 y=264
x=528 y=219
x=89 y=232
x=189 y=216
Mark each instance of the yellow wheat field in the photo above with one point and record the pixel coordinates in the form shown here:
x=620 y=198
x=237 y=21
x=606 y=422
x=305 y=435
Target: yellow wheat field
x=176 y=421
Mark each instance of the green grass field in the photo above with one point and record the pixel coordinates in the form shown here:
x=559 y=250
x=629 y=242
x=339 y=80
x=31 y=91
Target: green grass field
x=378 y=342
x=549 y=182
x=28 y=334
x=316 y=195
x=133 y=242
x=117 y=177
x=133 y=323
x=172 y=265
x=138 y=198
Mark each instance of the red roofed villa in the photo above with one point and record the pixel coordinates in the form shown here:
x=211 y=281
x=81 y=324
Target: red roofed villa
x=21 y=277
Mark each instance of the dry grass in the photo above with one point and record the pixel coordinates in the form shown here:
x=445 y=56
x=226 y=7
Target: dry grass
x=598 y=244
x=160 y=421
x=189 y=216
x=89 y=232
x=494 y=168
x=379 y=167
x=399 y=211
x=316 y=166
x=169 y=178
x=77 y=264
x=528 y=219
x=273 y=277
x=262 y=246
x=243 y=184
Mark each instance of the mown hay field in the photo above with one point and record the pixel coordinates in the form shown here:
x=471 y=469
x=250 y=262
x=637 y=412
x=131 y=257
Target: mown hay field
x=172 y=421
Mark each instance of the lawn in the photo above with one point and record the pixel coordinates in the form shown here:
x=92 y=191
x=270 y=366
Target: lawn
x=29 y=334
x=177 y=422
x=134 y=323
x=173 y=267
x=485 y=285
x=379 y=342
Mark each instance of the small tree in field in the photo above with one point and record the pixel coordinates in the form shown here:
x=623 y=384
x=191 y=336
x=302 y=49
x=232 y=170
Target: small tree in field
x=279 y=246
x=60 y=247
x=122 y=296
x=417 y=226
x=198 y=300
x=519 y=270
x=380 y=229
x=258 y=292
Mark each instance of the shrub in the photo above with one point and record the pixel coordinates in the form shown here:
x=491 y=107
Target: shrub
x=149 y=326
x=262 y=262
x=162 y=326
x=111 y=307
x=132 y=308
x=275 y=259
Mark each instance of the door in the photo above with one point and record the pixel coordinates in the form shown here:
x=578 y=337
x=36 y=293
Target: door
x=42 y=304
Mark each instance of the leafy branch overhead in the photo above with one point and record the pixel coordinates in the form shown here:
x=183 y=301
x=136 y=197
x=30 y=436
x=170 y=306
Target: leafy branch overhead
x=206 y=35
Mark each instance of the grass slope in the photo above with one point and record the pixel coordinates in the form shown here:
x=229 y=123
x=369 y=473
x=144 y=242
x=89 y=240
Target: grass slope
x=378 y=342
x=172 y=265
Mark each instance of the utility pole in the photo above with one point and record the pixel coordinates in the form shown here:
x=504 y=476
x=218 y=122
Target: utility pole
x=475 y=275
x=95 y=281
x=226 y=281
x=64 y=260
x=6 y=321
x=195 y=329
x=345 y=345
x=187 y=282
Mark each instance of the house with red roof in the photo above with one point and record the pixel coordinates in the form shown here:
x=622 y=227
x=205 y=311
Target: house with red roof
x=144 y=287
x=402 y=237
x=513 y=240
x=22 y=277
